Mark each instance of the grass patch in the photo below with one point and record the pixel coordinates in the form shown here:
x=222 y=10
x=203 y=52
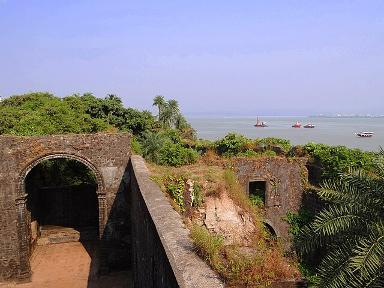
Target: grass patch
x=240 y=267
x=208 y=246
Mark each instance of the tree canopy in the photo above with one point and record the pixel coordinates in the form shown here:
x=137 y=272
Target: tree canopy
x=45 y=114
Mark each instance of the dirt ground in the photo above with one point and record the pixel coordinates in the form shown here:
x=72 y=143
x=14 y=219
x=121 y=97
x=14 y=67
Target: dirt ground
x=69 y=265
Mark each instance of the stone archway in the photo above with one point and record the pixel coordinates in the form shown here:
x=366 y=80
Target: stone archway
x=270 y=228
x=23 y=216
x=106 y=155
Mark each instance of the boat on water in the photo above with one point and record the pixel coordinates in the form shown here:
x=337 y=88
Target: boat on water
x=297 y=125
x=365 y=134
x=309 y=125
x=260 y=123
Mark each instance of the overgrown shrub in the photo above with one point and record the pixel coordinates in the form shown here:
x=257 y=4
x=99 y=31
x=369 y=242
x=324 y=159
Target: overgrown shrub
x=339 y=159
x=238 y=267
x=176 y=155
x=197 y=195
x=208 y=245
x=231 y=145
x=256 y=201
x=136 y=146
x=271 y=142
x=175 y=186
x=298 y=220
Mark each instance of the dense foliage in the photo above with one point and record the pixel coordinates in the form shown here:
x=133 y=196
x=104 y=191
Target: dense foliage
x=350 y=229
x=334 y=160
x=44 y=114
x=163 y=141
x=234 y=144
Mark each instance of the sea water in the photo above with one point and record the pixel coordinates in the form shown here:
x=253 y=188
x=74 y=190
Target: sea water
x=331 y=131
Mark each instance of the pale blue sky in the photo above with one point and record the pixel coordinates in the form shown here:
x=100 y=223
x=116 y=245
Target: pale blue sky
x=234 y=57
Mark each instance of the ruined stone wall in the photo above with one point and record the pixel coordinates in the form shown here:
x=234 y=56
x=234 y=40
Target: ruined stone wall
x=107 y=155
x=285 y=178
x=163 y=254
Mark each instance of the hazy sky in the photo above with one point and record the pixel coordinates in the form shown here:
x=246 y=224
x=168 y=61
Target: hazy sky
x=236 y=57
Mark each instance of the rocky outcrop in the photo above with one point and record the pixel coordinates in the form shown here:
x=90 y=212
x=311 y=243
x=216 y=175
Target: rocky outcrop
x=225 y=218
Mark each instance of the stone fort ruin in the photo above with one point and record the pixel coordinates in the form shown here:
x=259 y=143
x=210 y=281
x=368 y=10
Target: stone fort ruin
x=125 y=212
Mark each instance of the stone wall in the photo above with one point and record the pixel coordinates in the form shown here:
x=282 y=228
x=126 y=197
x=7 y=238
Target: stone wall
x=285 y=178
x=107 y=155
x=163 y=255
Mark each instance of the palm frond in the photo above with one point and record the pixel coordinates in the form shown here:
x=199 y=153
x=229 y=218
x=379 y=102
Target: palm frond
x=337 y=219
x=369 y=252
x=334 y=270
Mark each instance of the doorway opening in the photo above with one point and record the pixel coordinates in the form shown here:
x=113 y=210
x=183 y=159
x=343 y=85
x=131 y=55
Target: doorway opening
x=62 y=202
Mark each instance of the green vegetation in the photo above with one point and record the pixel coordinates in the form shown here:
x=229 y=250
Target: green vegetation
x=45 y=114
x=175 y=187
x=238 y=268
x=256 y=201
x=297 y=221
x=335 y=160
x=350 y=229
x=234 y=144
x=208 y=245
x=347 y=235
x=61 y=172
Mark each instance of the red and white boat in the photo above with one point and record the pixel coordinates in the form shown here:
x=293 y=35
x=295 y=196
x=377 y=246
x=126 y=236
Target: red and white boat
x=297 y=125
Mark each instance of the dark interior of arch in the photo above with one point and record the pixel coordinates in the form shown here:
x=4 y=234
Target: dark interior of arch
x=270 y=230
x=62 y=201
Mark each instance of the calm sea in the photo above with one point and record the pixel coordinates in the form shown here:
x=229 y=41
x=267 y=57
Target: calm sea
x=332 y=131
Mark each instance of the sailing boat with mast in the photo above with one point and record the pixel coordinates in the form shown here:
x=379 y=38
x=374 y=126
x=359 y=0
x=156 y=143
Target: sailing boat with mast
x=260 y=123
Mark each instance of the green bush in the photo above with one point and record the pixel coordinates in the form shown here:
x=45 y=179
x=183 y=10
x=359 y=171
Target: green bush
x=256 y=200
x=136 y=146
x=269 y=153
x=231 y=145
x=197 y=195
x=339 y=159
x=175 y=186
x=271 y=141
x=176 y=155
x=248 y=153
x=298 y=220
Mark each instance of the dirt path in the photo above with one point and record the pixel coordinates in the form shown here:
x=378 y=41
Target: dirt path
x=69 y=265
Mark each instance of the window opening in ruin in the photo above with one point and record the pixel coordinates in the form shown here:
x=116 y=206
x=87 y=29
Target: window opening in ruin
x=62 y=202
x=257 y=191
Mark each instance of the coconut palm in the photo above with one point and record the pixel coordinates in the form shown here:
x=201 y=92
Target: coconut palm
x=170 y=113
x=159 y=101
x=350 y=230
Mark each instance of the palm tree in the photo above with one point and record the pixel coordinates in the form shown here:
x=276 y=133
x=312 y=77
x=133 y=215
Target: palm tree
x=350 y=230
x=159 y=101
x=174 y=109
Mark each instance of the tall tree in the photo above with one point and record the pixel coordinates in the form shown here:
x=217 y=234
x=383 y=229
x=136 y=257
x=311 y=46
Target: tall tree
x=174 y=111
x=350 y=230
x=159 y=101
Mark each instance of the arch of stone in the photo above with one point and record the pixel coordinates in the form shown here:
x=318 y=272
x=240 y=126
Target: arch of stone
x=106 y=155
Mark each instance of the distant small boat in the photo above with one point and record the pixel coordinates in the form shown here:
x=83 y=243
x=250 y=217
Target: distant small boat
x=365 y=134
x=309 y=125
x=260 y=123
x=297 y=125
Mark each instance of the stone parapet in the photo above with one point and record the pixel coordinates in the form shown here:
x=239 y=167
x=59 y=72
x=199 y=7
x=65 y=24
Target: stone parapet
x=163 y=253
